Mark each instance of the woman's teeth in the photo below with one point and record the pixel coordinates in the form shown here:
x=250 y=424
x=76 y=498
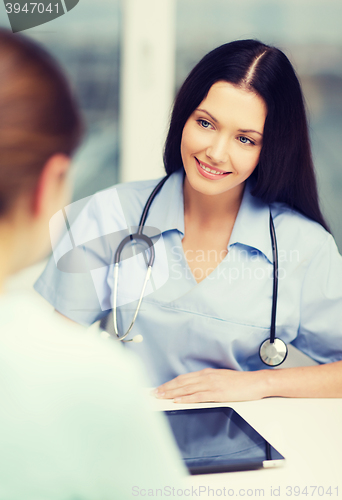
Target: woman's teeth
x=207 y=169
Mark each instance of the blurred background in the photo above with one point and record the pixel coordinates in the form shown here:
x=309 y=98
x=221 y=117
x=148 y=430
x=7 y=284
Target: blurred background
x=127 y=58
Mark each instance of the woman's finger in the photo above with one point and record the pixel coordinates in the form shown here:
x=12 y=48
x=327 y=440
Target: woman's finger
x=179 y=381
x=184 y=390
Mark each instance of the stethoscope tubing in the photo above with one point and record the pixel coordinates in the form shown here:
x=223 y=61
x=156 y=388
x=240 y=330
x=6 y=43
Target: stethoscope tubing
x=129 y=239
x=275 y=279
x=149 y=203
x=272 y=352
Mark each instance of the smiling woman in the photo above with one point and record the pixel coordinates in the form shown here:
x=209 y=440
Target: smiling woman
x=213 y=145
x=214 y=149
x=239 y=177
x=285 y=170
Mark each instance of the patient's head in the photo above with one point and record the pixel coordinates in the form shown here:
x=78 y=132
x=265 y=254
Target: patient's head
x=40 y=128
x=38 y=117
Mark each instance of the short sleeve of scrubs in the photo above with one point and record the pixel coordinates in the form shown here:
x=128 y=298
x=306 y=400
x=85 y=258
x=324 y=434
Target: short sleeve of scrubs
x=320 y=330
x=75 y=278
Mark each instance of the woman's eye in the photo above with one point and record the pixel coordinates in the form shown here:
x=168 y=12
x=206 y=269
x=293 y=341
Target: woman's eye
x=245 y=140
x=204 y=123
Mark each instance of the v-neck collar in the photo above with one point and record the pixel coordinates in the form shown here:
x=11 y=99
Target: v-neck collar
x=167 y=210
x=251 y=226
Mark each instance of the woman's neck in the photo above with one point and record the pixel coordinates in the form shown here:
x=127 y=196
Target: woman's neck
x=208 y=211
x=14 y=248
x=6 y=254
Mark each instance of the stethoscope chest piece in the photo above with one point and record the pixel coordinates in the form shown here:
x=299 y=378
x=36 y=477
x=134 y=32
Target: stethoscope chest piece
x=273 y=353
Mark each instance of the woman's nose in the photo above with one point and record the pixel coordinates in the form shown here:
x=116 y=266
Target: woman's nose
x=218 y=151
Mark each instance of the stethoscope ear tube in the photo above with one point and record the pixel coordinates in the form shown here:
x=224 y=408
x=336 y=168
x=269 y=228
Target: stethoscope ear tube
x=115 y=291
x=117 y=257
x=273 y=351
x=135 y=237
x=124 y=242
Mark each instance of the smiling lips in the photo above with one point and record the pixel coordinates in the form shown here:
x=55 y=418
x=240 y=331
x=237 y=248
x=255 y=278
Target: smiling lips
x=209 y=172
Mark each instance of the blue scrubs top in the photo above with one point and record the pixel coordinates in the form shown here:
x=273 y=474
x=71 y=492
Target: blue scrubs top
x=219 y=322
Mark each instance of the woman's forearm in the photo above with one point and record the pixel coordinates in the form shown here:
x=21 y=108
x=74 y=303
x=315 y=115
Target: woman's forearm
x=323 y=381
x=220 y=385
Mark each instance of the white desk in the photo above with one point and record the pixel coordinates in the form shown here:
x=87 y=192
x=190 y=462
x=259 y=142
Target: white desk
x=308 y=432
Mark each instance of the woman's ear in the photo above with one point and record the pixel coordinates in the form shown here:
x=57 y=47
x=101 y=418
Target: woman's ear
x=51 y=190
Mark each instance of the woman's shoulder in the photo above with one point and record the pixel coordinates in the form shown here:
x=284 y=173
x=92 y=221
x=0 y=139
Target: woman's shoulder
x=133 y=188
x=121 y=202
x=137 y=185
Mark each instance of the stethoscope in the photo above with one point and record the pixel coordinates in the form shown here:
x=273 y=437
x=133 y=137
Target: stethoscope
x=273 y=350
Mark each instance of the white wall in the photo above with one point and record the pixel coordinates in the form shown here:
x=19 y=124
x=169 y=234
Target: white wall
x=147 y=86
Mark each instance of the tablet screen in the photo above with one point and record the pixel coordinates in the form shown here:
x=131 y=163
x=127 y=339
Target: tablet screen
x=220 y=440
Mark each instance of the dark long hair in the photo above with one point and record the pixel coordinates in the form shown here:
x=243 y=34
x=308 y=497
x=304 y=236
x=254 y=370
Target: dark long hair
x=285 y=172
x=38 y=115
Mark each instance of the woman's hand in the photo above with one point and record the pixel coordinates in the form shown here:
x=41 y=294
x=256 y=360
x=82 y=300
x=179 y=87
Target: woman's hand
x=214 y=385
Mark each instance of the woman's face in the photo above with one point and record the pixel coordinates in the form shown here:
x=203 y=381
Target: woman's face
x=222 y=139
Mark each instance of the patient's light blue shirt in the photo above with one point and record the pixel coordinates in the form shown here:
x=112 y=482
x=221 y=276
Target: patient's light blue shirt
x=219 y=322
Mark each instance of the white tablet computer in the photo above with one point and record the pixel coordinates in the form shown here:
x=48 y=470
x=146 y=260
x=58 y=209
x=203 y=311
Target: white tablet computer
x=218 y=439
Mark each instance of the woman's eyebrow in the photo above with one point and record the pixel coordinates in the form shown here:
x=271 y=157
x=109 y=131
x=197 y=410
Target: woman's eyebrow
x=250 y=130
x=240 y=130
x=204 y=111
